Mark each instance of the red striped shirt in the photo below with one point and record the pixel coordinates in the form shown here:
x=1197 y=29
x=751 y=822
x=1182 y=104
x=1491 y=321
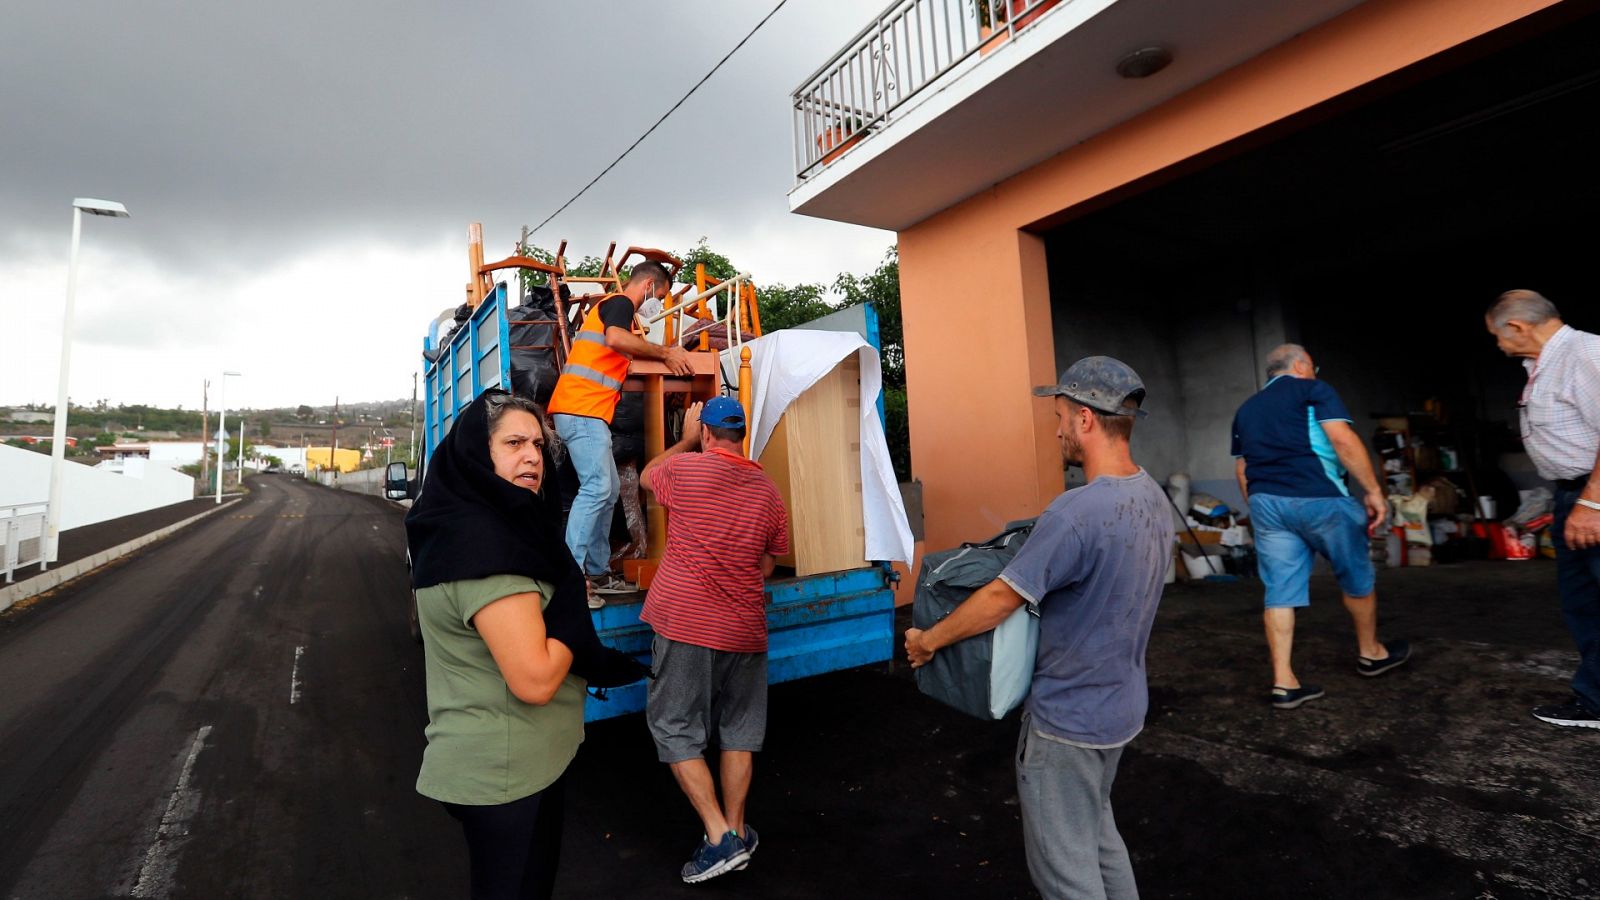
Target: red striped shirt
x=723 y=513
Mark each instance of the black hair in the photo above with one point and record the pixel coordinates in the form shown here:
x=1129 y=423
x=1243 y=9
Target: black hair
x=735 y=434
x=654 y=271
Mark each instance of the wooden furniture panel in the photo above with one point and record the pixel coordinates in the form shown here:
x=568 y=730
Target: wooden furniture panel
x=814 y=457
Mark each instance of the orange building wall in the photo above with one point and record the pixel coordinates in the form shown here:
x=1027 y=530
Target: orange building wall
x=975 y=286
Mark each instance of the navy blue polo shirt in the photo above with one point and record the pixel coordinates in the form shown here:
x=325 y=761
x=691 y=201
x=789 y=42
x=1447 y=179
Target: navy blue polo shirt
x=1279 y=433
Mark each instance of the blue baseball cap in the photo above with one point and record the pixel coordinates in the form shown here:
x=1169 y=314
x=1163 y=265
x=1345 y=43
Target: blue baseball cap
x=722 y=412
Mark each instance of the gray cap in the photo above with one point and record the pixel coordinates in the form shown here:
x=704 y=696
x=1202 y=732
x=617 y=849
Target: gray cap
x=1100 y=383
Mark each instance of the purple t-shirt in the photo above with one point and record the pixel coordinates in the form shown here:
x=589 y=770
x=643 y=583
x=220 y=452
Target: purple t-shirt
x=1093 y=569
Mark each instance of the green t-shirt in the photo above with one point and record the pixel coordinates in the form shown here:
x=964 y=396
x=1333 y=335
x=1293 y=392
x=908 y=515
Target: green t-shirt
x=484 y=745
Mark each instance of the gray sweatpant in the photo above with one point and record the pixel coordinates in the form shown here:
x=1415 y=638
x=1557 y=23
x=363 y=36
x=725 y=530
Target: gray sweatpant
x=1074 y=850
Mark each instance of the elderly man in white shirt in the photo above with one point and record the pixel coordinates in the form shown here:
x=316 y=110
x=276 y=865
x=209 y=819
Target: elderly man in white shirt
x=1560 y=413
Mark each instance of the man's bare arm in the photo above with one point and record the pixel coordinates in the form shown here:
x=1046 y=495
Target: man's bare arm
x=1583 y=523
x=689 y=441
x=1352 y=452
x=624 y=341
x=983 y=611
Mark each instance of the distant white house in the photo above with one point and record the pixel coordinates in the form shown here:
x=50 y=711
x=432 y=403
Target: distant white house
x=172 y=454
x=293 y=458
x=31 y=416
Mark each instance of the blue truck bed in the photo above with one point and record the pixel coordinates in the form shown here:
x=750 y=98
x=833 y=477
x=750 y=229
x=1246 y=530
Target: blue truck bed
x=819 y=623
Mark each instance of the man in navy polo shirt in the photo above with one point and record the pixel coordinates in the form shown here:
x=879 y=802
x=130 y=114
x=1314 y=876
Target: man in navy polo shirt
x=1293 y=446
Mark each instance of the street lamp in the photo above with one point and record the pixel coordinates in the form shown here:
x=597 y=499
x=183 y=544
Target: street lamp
x=222 y=428
x=58 y=444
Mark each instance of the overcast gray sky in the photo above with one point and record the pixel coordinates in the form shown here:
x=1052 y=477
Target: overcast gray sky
x=301 y=175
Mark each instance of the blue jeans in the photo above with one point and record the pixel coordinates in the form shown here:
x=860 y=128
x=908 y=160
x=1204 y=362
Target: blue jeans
x=1578 y=579
x=1290 y=530
x=589 y=524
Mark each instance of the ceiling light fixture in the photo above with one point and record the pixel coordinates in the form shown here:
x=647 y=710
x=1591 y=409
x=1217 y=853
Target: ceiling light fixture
x=1144 y=62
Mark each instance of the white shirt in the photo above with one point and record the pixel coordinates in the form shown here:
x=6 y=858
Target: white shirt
x=1561 y=405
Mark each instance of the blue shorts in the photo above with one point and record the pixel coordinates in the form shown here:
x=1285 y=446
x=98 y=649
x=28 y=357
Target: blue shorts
x=1289 y=530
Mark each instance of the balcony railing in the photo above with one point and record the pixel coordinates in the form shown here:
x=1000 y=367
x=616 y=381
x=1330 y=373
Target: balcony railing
x=910 y=45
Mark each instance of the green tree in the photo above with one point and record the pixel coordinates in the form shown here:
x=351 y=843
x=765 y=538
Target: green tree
x=881 y=288
x=897 y=431
x=717 y=266
x=588 y=267
x=783 y=306
x=264 y=429
x=304 y=412
x=233 y=448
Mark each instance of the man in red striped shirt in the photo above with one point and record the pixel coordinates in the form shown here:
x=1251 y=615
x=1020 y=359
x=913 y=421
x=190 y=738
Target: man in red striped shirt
x=726 y=527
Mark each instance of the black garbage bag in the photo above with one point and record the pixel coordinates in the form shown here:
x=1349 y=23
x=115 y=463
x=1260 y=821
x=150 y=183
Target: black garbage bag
x=531 y=328
x=629 y=417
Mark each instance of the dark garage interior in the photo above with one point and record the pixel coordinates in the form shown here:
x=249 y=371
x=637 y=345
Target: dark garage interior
x=1375 y=234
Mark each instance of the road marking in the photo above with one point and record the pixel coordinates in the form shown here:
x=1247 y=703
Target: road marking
x=159 y=863
x=294 y=677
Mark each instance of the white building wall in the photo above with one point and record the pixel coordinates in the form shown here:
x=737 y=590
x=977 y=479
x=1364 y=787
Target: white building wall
x=290 y=456
x=89 y=495
x=179 y=453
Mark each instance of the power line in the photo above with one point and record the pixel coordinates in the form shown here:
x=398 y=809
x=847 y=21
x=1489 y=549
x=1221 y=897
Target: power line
x=663 y=118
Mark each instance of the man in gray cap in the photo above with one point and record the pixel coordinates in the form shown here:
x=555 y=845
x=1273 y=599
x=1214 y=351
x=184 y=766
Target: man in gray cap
x=1092 y=571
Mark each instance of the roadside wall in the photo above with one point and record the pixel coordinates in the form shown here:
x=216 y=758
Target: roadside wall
x=365 y=481
x=89 y=495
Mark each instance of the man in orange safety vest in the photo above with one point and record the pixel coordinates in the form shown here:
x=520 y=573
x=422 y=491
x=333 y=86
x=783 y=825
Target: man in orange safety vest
x=584 y=401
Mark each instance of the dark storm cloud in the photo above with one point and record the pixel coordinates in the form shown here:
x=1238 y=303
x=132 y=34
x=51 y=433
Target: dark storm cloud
x=233 y=130
x=301 y=174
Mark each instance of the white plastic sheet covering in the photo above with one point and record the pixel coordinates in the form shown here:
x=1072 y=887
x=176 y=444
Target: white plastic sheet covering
x=783 y=365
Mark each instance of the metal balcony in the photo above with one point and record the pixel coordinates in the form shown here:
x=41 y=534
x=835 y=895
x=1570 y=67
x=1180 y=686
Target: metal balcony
x=938 y=100
x=909 y=46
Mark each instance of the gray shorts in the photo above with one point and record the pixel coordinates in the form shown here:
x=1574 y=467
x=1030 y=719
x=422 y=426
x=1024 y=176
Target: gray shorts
x=698 y=693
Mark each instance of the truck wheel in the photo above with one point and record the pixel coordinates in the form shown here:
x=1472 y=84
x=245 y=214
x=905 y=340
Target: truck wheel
x=416 y=627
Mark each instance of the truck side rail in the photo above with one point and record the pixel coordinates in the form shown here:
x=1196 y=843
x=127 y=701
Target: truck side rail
x=459 y=367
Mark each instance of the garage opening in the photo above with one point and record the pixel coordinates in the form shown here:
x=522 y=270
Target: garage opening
x=1376 y=238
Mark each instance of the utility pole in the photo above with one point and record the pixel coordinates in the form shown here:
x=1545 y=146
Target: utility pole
x=333 y=455
x=414 y=456
x=240 y=465
x=205 y=434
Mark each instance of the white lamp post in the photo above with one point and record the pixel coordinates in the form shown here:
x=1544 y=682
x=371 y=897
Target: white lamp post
x=58 y=444
x=222 y=428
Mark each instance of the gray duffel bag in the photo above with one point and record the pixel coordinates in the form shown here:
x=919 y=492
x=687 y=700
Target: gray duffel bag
x=986 y=675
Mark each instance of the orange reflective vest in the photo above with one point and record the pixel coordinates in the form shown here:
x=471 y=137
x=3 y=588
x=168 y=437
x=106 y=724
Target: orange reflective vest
x=591 y=381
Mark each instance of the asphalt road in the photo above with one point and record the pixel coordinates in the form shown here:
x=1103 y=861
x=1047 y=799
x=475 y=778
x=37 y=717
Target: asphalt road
x=237 y=712
x=233 y=712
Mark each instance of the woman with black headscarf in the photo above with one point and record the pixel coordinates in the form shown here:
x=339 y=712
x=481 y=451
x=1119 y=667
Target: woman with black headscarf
x=508 y=642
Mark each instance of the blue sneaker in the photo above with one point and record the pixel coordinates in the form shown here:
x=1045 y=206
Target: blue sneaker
x=751 y=842
x=710 y=861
